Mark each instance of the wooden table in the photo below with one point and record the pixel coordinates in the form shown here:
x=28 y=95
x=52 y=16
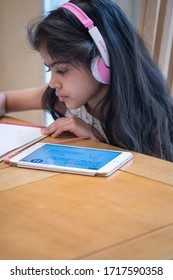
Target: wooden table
x=49 y=215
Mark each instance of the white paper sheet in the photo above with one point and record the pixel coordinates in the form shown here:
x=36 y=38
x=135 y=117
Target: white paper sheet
x=13 y=136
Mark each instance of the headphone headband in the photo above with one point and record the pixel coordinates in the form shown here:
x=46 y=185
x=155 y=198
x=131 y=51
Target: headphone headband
x=93 y=30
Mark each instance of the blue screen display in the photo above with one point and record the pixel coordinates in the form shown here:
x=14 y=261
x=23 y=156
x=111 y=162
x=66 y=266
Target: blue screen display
x=76 y=157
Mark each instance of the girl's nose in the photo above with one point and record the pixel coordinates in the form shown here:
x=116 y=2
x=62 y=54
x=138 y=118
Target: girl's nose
x=54 y=81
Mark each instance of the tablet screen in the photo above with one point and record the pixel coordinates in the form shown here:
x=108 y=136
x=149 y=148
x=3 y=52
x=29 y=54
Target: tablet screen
x=67 y=156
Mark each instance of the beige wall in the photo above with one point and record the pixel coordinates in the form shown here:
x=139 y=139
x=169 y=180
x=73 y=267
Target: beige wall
x=20 y=66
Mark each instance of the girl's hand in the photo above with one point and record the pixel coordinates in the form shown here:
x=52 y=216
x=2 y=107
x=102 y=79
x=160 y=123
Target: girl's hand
x=71 y=124
x=2 y=104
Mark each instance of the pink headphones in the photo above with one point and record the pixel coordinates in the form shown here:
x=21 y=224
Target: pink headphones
x=100 y=65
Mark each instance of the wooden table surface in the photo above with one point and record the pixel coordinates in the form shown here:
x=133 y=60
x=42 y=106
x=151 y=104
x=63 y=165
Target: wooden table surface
x=50 y=215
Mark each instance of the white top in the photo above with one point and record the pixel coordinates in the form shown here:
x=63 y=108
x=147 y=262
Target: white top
x=82 y=113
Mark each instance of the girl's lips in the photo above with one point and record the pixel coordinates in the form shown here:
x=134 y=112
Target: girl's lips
x=62 y=98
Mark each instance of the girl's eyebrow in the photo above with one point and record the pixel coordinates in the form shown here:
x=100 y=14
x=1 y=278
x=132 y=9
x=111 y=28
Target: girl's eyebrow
x=54 y=63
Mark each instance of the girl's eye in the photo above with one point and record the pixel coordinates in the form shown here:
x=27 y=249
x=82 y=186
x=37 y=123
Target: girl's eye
x=59 y=71
x=63 y=71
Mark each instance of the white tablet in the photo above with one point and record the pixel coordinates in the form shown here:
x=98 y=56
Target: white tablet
x=71 y=159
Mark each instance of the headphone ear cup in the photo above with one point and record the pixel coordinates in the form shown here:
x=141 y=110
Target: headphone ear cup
x=100 y=71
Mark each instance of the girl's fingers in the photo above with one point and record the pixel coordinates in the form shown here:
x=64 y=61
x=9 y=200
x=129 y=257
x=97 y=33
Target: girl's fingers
x=71 y=124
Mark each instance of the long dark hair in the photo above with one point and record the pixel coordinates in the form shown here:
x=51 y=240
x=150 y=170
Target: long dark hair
x=139 y=114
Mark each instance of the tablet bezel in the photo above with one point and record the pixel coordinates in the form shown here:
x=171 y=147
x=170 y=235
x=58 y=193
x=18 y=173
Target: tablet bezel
x=106 y=170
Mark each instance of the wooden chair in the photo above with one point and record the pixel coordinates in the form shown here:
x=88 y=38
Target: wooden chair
x=156 y=27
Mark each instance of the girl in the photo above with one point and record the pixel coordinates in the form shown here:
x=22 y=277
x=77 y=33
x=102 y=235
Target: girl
x=105 y=87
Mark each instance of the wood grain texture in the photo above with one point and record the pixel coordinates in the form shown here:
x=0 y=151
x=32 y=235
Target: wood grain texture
x=156 y=28
x=72 y=216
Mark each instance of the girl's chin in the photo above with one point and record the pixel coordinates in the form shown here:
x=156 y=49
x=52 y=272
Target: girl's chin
x=72 y=106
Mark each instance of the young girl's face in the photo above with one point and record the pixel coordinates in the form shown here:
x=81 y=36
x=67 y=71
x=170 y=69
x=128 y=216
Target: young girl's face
x=73 y=85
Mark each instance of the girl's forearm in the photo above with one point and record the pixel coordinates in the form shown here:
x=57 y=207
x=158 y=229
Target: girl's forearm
x=23 y=99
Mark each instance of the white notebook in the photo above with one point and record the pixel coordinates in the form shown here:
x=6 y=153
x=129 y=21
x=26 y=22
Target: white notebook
x=16 y=136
